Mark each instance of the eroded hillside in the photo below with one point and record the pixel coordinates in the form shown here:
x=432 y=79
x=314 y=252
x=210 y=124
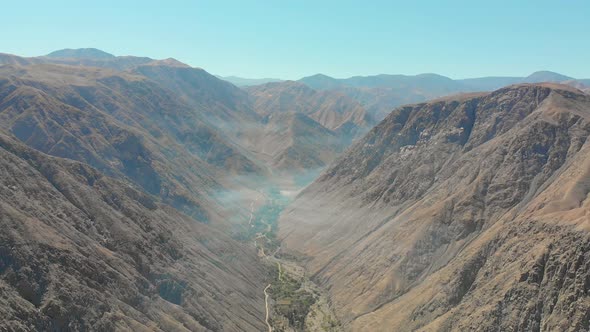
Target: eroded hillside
x=465 y=213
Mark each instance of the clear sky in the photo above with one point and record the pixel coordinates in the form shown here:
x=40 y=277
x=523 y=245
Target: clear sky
x=290 y=39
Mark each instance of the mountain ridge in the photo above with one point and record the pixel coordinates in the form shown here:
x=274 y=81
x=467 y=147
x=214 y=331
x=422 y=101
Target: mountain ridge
x=413 y=227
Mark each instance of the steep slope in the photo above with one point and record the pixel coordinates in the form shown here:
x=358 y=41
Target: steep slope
x=125 y=126
x=293 y=142
x=212 y=119
x=465 y=213
x=303 y=129
x=222 y=103
x=82 y=251
x=332 y=110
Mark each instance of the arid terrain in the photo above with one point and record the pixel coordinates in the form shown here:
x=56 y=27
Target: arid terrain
x=150 y=195
x=463 y=213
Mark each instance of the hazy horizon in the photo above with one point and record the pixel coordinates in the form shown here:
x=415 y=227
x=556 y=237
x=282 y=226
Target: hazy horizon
x=458 y=39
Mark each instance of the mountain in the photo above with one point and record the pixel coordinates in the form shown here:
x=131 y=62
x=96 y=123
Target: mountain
x=379 y=94
x=321 y=82
x=432 y=82
x=330 y=109
x=546 y=76
x=317 y=127
x=128 y=186
x=219 y=101
x=83 y=251
x=294 y=143
x=227 y=114
x=124 y=125
x=80 y=53
x=304 y=129
x=240 y=81
x=123 y=199
x=463 y=213
x=490 y=83
x=89 y=57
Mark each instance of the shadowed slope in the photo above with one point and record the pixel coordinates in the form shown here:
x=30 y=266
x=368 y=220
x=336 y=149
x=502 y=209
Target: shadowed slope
x=80 y=250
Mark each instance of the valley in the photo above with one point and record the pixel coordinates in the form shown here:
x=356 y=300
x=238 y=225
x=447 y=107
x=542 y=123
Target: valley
x=292 y=301
x=150 y=195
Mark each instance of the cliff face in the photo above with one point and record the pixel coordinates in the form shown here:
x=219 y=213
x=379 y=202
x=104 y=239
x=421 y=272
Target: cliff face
x=466 y=212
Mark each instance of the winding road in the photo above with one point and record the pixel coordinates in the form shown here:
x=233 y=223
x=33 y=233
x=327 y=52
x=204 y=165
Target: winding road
x=266 y=296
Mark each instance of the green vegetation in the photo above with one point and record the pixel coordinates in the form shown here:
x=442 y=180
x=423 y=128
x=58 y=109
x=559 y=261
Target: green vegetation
x=266 y=218
x=293 y=302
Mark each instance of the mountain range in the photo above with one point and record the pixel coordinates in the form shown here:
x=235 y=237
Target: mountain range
x=144 y=194
x=126 y=187
x=380 y=93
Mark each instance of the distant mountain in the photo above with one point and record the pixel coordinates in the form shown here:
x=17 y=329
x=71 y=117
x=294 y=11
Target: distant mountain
x=380 y=93
x=239 y=118
x=240 y=81
x=296 y=143
x=322 y=82
x=449 y=214
x=331 y=109
x=219 y=101
x=80 y=53
x=489 y=83
x=546 y=76
x=305 y=128
x=89 y=57
x=431 y=82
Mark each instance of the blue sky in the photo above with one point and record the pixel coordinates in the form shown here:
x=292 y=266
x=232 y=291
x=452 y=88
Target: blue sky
x=291 y=39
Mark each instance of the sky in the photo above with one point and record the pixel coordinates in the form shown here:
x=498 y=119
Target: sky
x=290 y=39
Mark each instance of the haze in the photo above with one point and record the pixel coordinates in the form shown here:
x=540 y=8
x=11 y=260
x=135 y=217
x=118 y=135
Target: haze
x=293 y=39
x=295 y=166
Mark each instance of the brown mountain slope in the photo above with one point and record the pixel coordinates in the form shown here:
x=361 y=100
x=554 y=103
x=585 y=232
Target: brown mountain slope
x=123 y=125
x=219 y=101
x=220 y=122
x=293 y=142
x=332 y=110
x=459 y=214
x=303 y=130
x=82 y=251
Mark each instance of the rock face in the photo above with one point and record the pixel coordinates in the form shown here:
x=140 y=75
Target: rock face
x=464 y=213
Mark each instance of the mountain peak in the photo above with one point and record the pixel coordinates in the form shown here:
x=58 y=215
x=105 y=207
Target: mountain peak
x=170 y=62
x=82 y=53
x=546 y=76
